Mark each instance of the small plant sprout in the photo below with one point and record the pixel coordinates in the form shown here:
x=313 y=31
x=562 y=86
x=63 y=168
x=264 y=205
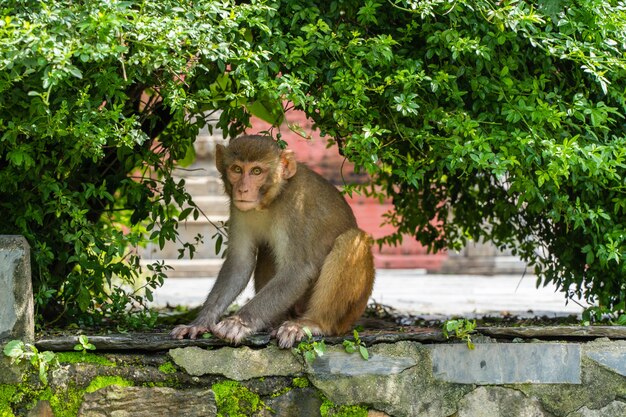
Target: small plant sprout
x=309 y=348
x=41 y=361
x=352 y=346
x=83 y=344
x=462 y=329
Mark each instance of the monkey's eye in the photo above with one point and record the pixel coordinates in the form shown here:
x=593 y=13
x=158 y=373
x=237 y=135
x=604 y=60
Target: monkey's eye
x=236 y=169
x=256 y=171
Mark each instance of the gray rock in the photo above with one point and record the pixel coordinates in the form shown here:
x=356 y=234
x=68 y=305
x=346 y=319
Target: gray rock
x=405 y=390
x=237 y=363
x=335 y=363
x=11 y=373
x=610 y=354
x=140 y=401
x=304 y=402
x=614 y=409
x=17 y=319
x=599 y=386
x=498 y=401
x=508 y=363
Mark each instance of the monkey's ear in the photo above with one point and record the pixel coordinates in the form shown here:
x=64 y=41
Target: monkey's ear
x=289 y=164
x=219 y=157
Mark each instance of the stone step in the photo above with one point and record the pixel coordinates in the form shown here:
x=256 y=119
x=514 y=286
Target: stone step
x=202 y=185
x=211 y=205
x=190 y=268
x=188 y=230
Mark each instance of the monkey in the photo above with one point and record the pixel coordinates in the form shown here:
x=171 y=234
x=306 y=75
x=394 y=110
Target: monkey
x=295 y=232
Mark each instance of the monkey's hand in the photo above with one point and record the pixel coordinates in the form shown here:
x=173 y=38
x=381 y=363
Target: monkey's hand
x=191 y=331
x=233 y=329
x=291 y=332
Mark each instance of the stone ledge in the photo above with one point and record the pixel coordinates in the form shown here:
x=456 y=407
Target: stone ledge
x=153 y=342
x=405 y=378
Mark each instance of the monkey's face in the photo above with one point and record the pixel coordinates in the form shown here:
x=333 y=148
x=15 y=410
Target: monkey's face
x=248 y=181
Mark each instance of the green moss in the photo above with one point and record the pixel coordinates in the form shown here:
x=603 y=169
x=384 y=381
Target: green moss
x=7 y=393
x=300 y=382
x=100 y=382
x=235 y=400
x=168 y=368
x=328 y=409
x=78 y=357
x=64 y=403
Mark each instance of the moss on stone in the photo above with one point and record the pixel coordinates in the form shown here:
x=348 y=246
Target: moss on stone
x=168 y=368
x=7 y=393
x=100 y=382
x=235 y=400
x=329 y=409
x=87 y=357
x=300 y=382
x=64 y=403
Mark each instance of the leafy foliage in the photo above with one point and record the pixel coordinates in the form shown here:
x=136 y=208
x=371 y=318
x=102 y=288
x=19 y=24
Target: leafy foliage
x=462 y=329
x=310 y=348
x=83 y=344
x=500 y=121
x=40 y=361
x=355 y=345
x=98 y=100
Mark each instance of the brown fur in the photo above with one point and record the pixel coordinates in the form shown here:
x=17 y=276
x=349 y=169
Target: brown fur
x=299 y=236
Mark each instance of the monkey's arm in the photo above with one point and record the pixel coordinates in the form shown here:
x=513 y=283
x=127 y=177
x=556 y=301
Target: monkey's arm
x=281 y=292
x=231 y=281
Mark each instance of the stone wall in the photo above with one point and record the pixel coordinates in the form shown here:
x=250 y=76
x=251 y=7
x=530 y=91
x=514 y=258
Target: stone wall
x=512 y=372
x=406 y=378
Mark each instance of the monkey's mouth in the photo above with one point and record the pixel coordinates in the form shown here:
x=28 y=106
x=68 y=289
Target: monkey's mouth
x=245 y=205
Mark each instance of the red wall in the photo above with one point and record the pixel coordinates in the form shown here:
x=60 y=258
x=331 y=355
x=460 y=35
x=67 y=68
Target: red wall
x=369 y=212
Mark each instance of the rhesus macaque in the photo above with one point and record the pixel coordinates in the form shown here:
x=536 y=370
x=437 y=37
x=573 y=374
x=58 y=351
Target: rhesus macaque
x=312 y=266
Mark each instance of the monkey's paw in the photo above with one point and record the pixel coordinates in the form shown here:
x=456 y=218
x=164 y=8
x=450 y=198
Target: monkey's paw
x=291 y=332
x=191 y=331
x=233 y=329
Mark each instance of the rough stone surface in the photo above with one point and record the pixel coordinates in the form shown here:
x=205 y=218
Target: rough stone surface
x=507 y=363
x=610 y=354
x=237 y=363
x=411 y=391
x=139 y=402
x=498 y=401
x=337 y=363
x=10 y=373
x=614 y=409
x=599 y=386
x=16 y=297
x=304 y=402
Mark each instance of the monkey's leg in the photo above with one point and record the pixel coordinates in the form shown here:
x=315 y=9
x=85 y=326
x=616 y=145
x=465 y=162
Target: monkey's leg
x=341 y=292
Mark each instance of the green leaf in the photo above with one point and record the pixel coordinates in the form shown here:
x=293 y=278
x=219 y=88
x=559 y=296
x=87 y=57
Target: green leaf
x=270 y=111
x=14 y=349
x=364 y=353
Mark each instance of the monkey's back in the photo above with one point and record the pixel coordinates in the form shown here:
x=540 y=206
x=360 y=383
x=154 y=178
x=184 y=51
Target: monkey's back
x=314 y=208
